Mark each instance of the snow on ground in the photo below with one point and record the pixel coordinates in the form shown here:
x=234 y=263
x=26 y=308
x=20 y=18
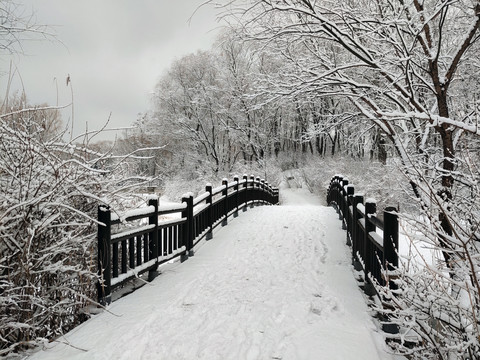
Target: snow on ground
x=276 y=283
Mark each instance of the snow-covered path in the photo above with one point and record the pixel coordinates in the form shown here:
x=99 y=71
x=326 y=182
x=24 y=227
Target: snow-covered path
x=276 y=283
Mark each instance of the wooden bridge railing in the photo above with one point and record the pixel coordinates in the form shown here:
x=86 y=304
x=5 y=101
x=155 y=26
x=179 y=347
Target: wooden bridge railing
x=142 y=239
x=374 y=241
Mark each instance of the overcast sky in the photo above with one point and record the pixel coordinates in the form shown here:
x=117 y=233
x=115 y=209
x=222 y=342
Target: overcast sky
x=114 y=52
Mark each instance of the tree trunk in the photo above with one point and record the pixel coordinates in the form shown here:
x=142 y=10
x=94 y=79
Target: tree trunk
x=448 y=164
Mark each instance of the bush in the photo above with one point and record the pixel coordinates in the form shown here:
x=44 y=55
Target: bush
x=48 y=204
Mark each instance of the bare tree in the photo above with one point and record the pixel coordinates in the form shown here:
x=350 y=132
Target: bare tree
x=17 y=25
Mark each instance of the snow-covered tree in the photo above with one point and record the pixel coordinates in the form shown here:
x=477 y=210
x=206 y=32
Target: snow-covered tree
x=190 y=106
x=410 y=68
x=217 y=106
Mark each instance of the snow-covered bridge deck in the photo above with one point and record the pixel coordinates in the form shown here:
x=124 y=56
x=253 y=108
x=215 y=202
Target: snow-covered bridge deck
x=280 y=288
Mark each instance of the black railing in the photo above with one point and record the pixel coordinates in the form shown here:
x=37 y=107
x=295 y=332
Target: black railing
x=374 y=241
x=142 y=239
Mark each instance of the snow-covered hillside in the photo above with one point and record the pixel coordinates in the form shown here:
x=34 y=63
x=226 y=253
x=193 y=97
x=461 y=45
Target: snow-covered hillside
x=276 y=283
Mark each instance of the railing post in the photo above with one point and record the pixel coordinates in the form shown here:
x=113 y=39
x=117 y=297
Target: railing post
x=390 y=258
x=187 y=213
x=190 y=227
x=263 y=196
x=103 y=256
x=258 y=192
x=237 y=198
x=153 y=238
x=252 y=179
x=357 y=199
x=338 y=195
x=245 y=192
x=209 y=189
x=329 y=191
x=276 y=196
x=343 y=201
x=350 y=192
x=225 y=202
x=370 y=209
x=271 y=192
x=390 y=243
x=268 y=193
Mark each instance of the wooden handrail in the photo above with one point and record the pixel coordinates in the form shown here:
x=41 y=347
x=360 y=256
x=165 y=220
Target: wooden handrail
x=376 y=258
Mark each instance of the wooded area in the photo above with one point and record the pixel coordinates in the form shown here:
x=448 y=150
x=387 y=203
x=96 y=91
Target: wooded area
x=391 y=85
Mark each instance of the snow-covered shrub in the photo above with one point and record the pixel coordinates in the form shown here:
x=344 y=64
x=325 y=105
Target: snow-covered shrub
x=48 y=202
x=437 y=305
x=436 y=312
x=382 y=182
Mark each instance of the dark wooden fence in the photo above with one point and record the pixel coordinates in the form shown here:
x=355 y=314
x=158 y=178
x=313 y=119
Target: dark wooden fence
x=374 y=241
x=142 y=239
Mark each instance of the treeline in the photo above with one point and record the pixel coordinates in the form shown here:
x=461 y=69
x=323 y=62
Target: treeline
x=394 y=81
x=219 y=109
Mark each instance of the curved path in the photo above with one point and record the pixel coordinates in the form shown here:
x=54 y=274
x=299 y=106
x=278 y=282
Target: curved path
x=276 y=283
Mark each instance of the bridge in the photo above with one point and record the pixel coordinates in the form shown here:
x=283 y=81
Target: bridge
x=276 y=283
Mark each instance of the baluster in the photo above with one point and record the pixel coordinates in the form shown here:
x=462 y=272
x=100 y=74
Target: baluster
x=139 y=250
x=131 y=252
x=124 y=256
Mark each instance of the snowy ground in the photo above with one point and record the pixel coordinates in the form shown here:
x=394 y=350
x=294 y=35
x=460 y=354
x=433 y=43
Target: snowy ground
x=276 y=283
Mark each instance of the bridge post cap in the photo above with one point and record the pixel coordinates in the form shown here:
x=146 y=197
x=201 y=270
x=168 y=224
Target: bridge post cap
x=104 y=207
x=187 y=195
x=152 y=197
x=371 y=201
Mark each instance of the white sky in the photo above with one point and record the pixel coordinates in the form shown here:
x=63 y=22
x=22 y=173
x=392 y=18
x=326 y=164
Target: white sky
x=114 y=51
